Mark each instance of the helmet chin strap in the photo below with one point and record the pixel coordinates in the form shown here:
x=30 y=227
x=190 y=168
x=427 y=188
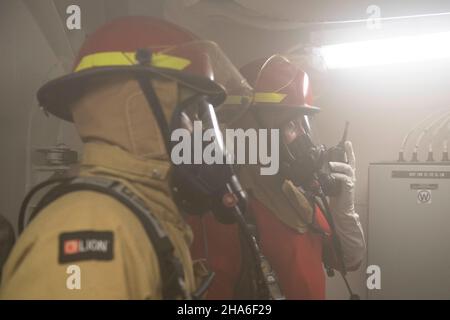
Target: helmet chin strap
x=143 y=56
x=155 y=106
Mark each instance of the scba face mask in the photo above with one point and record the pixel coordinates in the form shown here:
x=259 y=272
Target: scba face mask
x=201 y=185
x=305 y=162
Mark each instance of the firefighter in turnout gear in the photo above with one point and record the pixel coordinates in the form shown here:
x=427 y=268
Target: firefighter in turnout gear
x=115 y=231
x=297 y=231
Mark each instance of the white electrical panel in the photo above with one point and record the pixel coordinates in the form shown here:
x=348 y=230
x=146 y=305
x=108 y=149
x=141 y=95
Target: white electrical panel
x=409 y=230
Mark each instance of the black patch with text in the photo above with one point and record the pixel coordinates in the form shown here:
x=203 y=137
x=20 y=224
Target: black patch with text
x=85 y=245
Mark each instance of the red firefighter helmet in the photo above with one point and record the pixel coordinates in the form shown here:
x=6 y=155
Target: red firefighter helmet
x=279 y=84
x=173 y=53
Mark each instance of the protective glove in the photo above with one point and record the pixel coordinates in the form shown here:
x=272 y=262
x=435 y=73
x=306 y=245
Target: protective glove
x=346 y=220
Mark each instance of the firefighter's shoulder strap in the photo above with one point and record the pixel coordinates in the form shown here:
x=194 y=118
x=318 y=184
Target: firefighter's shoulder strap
x=171 y=269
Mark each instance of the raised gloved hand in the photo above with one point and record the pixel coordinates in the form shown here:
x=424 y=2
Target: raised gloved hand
x=346 y=220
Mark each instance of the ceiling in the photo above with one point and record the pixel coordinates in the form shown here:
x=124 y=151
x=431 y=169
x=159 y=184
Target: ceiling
x=208 y=17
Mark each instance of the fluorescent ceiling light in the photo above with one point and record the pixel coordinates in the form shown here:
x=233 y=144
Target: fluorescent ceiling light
x=387 y=51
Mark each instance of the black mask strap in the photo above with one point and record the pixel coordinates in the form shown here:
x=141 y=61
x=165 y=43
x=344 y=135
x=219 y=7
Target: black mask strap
x=144 y=57
x=155 y=105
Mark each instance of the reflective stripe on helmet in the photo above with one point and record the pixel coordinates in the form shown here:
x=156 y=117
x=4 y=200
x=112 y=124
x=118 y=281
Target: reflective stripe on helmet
x=233 y=99
x=259 y=97
x=269 y=97
x=107 y=59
